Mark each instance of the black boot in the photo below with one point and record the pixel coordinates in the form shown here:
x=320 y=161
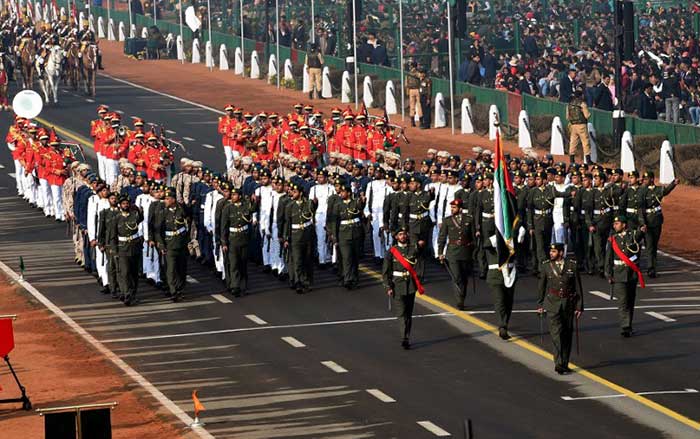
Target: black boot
x=587 y=159
x=572 y=158
x=99 y=62
x=413 y=122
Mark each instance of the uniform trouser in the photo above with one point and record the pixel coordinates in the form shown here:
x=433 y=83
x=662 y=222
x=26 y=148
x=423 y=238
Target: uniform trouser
x=111 y=169
x=378 y=248
x=276 y=260
x=176 y=270
x=128 y=277
x=579 y=244
x=78 y=244
x=600 y=238
x=45 y=202
x=228 y=152
x=31 y=191
x=427 y=111
x=219 y=263
x=579 y=131
x=205 y=244
x=321 y=244
x=101 y=263
x=57 y=197
x=301 y=263
x=543 y=237
x=561 y=327
x=113 y=269
x=350 y=251
x=434 y=240
x=559 y=234
x=88 y=253
x=626 y=293
x=19 y=181
x=315 y=81
x=502 y=303
x=255 y=245
x=459 y=270
x=403 y=304
x=651 y=241
x=420 y=254
x=414 y=103
x=265 y=238
x=151 y=263
x=100 y=165
x=238 y=266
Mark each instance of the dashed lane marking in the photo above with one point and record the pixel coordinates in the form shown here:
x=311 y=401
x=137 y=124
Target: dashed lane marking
x=189 y=139
x=602 y=295
x=191 y=280
x=221 y=298
x=92 y=101
x=255 y=319
x=434 y=429
x=383 y=397
x=208 y=146
x=335 y=367
x=170 y=131
x=294 y=342
x=620 y=395
x=11 y=174
x=660 y=316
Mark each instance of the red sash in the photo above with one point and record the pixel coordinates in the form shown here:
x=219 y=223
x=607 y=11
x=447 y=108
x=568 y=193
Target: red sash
x=620 y=254
x=407 y=265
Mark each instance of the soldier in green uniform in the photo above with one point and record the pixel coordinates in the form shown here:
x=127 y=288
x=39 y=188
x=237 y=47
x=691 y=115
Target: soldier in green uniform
x=399 y=205
x=420 y=226
x=349 y=233
x=630 y=200
x=561 y=295
x=171 y=237
x=129 y=248
x=456 y=233
x=299 y=239
x=501 y=293
x=479 y=255
x=225 y=188
x=598 y=221
x=522 y=191
x=389 y=202
x=236 y=219
x=399 y=284
x=616 y=190
x=107 y=242
x=333 y=200
x=651 y=217
x=282 y=205
x=539 y=217
x=620 y=274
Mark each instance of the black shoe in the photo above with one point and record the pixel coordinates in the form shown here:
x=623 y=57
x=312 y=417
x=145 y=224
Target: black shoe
x=177 y=297
x=405 y=344
x=652 y=274
x=121 y=297
x=283 y=277
x=236 y=292
x=503 y=333
x=413 y=122
x=299 y=290
x=267 y=269
x=460 y=306
x=275 y=272
x=104 y=290
x=560 y=370
x=626 y=333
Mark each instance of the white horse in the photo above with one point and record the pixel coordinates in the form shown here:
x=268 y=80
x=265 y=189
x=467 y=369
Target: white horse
x=52 y=74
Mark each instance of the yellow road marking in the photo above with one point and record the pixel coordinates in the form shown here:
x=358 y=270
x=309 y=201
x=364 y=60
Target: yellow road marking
x=66 y=132
x=542 y=353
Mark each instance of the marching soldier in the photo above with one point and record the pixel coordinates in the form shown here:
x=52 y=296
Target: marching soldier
x=598 y=220
x=651 y=218
x=348 y=232
x=417 y=215
x=236 y=219
x=484 y=219
x=171 y=236
x=129 y=246
x=107 y=243
x=455 y=249
x=298 y=239
x=320 y=194
x=561 y=295
x=377 y=191
x=502 y=293
x=539 y=217
x=630 y=200
x=622 y=271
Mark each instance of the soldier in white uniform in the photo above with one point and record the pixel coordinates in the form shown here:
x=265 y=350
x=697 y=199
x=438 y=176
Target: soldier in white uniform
x=443 y=198
x=150 y=261
x=210 y=202
x=265 y=201
x=559 y=215
x=375 y=193
x=96 y=204
x=319 y=194
x=276 y=260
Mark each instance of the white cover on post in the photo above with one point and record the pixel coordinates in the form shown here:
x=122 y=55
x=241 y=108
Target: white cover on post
x=91 y=22
x=208 y=55
x=223 y=57
x=626 y=155
x=467 y=126
x=593 y=141
x=122 y=31
x=305 y=80
x=144 y=32
x=440 y=116
x=288 y=72
x=271 y=68
x=666 y=172
x=390 y=99
x=196 y=56
x=238 y=62
x=254 y=65
x=132 y=31
x=345 y=89
x=556 y=146
x=524 y=133
x=494 y=117
x=100 y=26
x=39 y=13
x=367 y=92
x=110 y=31
x=326 y=89
x=180 y=48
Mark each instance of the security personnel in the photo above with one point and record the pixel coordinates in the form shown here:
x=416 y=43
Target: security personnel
x=622 y=270
x=417 y=211
x=299 y=239
x=561 y=295
x=456 y=234
x=129 y=247
x=349 y=234
x=630 y=200
x=171 y=235
x=652 y=219
x=598 y=220
x=502 y=294
x=399 y=284
x=539 y=214
x=107 y=243
x=484 y=219
x=236 y=220
x=577 y=113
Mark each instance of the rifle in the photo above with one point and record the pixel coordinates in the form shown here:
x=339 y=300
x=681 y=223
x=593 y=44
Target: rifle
x=578 y=338
x=541 y=317
x=611 y=291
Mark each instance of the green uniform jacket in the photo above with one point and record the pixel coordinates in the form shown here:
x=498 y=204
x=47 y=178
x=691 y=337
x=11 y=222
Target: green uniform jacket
x=458 y=229
x=564 y=285
x=298 y=222
x=630 y=204
x=106 y=232
x=484 y=213
x=235 y=222
x=651 y=197
x=126 y=224
x=628 y=241
x=539 y=209
x=601 y=212
x=418 y=213
x=347 y=225
x=171 y=231
x=394 y=275
x=464 y=194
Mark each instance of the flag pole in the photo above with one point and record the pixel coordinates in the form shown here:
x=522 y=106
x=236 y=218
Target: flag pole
x=182 y=37
x=130 y=18
x=277 y=38
x=155 y=19
x=354 y=47
x=211 y=67
x=242 y=41
x=403 y=92
x=449 y=55
x=313 y=24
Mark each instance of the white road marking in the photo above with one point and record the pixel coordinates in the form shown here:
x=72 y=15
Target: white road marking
x=255 y=319
x=619 y=395
x=11 y=174
x=208 y=146
x=128 y=370
x=221 y=298
x=92 y=101
x=190 y=139
x=602 y=295
x=676 y=284
x=294 y=342
x=672 y=299
x=170 y=131
x=335 y=367
x=679 y=259
x=434 y=429
x=660 y=316
x=191 y=280
x=383 y=397
x=2 y=166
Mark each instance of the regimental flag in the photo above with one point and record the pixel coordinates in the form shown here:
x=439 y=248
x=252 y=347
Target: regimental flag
x=198 y=406
x=505 y=214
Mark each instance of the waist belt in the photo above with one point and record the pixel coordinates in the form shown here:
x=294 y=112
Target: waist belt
x=630 y=210
x=631 y=258
x=301 y=226
x=616 y=207
x=350 y=221
x=654 y=209
x=496 y=266
x=401 y=215
x=176 y=232
x=543 y=212
x=583 y=211
x=601 y=212
x=560 y=293
x=202 y=206
x=487 y=215
x=238 y=229
x=404 y=274
x=418 y=215
x=465 y=210
x=129 y=238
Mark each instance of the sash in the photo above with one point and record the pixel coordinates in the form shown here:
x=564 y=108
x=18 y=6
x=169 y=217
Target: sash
x=620 y=254
x=407 y=265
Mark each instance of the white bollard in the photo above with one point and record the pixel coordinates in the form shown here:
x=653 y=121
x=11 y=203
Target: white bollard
x=132 y=31
x=271 y=69
x=91 y=22
x=326 y=89
x=594 y=142
x=208 y=55
x=390 y=98
x=626 y=155
x=367 y=92
x=223 y=57
x=144 y=32
x=288 y=72
x=196 y=56
x=180 y=48
x=306 y=80
x=494 y=122
x=238 y=61
x=556 y=146
x=467 y=126
x=666 y=172
x=254 y=65
x=345 y=89
x=100 y=27
x=440 y=113
x=110 y=31
x=122 y=31
x=524 y=132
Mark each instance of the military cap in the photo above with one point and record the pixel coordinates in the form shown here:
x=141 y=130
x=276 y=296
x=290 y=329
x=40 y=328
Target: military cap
x=358 y=165
x=323 y=172
x=561 y=173
x=391 y=173
x=477 y=150
x=380 y=122
x=152 y=137
x=608 y=171
x=238 y=111
x=272 y=116
x=518 y=173
x=102 y=109
x=139 y=135
x=633 y=174
x=278 y=179
x=235 y=190
x=618 y=171
x=432 y=151
x=304 y=128
x=248 y=115
x=426 y=162
x=197 y=164
x=401 y=229
x=265 y=173
x=549 y=157
x=620 y=219
x=409 y=160
x=336 y=110
x=649 y=174
x=456 y=157
x=122 y=198
x=488 y=175
x=456 y=202
x=55 y=142
x=141 y=174
x=488 y=152
x=138 y=122
x=43 y=136
x=444 y=154
x=452 y=173
x=378 y=169
x=541 y=174
x=295 y=187
x=361 y=116
x=587 y=175
x=247 y=160
x=471 y=162
x=229 y=107
x=348 y=116
x=298 y=105
x=294 y=122
x=557 y=246
x=479 y=177
x=308 y=107
x=225 y=186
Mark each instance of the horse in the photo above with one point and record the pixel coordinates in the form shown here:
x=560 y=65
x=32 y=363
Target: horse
x=52 y=74
x=89 y=68
x=26 y=57
x=72 y=68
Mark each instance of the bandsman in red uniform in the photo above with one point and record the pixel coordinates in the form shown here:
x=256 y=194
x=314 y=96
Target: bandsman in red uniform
x=223 y=129
x=97 y=129
x=156 y=160
x=57 y=162
x=359 y=133
x=274 y=131
x=16 y=145
x=137 y=152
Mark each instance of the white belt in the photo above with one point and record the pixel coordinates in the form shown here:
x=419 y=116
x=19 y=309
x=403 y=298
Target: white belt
x=630 y=210
x=619 y=262
x=487 y=215
x=401 y=215
x=400 y=273
x=130 y=238
x=301 y=226
x=202 y=206
x=654 y=209
x=543 y=212
x=176 y=232
x=418 y=215
x=496 y=266
x=238 y=229
x=465 y=210
x=601 y=212
x=350 y=221
x=583 y=211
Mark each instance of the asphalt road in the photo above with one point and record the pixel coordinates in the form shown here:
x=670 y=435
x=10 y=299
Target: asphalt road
x=329 y=364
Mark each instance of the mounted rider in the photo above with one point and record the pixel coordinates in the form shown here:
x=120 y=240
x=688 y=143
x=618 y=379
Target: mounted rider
x=86 y=36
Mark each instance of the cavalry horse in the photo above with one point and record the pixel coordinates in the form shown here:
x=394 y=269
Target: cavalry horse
x=26 y=56
x=52 y=74
x=89 y=67
x=72 y=68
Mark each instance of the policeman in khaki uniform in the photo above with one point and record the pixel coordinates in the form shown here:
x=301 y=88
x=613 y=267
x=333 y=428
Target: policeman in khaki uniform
x=236 y=219
x=577 y=114
x=349 y=234
x=623 y=275
x=299 y=239
x=561 y=295
x=651 y=217
x=456 y=233
x=129 y=247
x=171 y=236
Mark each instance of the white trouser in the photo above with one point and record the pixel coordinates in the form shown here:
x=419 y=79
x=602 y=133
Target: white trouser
x=19 y=180
x=379 y=249
x=434 y=240
x=45 y=194
x=559 y=234
x=229 y=157
x=151 y=266
x=57 y=196
x=266 y=252
x=276 y=260
x=100 y=165
x=321 y=245
x=101 y=264
x=30 y=189
x=219 y=263
x=111 y=169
